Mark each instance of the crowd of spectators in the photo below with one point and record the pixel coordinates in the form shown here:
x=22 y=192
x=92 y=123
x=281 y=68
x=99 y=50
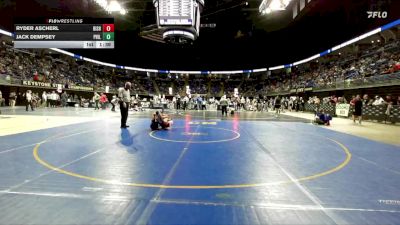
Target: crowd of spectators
x=198 y=85
x=367 y=100
x=19 y=64
x=26 y=65
x=343 y=70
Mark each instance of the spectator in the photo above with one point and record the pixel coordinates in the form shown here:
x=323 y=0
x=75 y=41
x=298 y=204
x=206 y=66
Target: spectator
x=389 y=109
x=28 y=96
x=2 y=100
x=185 y=102
x=389 y=100
x=64 y=99
x=357 y=103
x=367 y=100
x=54 y=99
x=49 y=99
x=103 y=100
x=317 y=103
x=378 y=101
x=96 y=99
x=277 y=105
x=44 y=99
x=199 y=102
x=114 y=101
x=178 y=101
x=302 y=104
x=13 y=99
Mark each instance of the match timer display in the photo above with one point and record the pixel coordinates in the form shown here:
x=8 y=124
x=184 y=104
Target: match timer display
x=90 y=33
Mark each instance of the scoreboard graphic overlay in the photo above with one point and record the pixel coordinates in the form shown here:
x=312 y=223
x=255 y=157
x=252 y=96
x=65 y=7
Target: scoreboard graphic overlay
x=67 y=33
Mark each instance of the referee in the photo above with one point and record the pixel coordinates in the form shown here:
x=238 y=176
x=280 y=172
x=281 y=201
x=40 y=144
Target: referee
x=124 y=100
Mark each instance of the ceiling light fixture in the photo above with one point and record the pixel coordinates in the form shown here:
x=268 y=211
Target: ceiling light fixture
x=268 y=6
x=112 y=6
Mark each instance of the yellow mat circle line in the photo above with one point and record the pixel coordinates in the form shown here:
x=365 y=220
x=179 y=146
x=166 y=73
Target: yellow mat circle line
x=311 y=177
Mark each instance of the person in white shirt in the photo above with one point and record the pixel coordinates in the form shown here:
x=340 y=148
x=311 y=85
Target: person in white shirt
x=44 y=99
x=13 y=99
x=49 y=101
x=53 y=99
x=378 y=101
x=124 y=96
x=242 y=103
x=28 y=97
x=114 y=102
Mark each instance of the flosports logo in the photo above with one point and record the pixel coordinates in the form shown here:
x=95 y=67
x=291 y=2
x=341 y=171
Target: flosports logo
x=377 y=14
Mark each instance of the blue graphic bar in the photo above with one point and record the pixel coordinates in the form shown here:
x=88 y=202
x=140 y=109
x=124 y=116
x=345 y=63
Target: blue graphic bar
x=325 y=53
x=77 y=56
x=390 y=25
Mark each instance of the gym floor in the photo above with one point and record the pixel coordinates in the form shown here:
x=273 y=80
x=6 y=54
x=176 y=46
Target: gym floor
x=76 y=166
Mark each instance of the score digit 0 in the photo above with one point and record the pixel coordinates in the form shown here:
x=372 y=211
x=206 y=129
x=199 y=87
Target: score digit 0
x=108 y=27
x=108 y=36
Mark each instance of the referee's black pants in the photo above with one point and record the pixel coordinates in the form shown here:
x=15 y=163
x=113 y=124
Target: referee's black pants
x=224 y=110
x=124 y=113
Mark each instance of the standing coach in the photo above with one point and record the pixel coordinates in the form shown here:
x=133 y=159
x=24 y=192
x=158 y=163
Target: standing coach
x=124 y=100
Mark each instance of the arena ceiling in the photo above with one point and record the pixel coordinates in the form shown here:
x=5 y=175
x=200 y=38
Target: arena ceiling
x=242 y=38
